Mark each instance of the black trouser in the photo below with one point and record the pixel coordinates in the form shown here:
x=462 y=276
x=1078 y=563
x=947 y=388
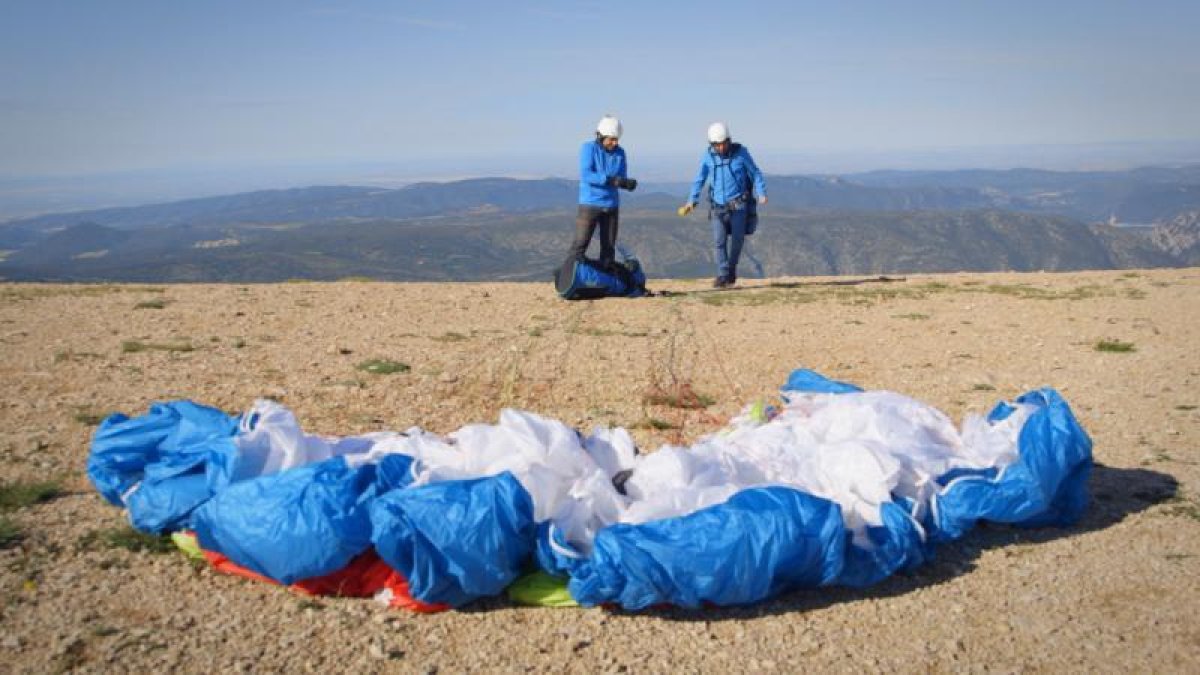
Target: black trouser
x=585 y=224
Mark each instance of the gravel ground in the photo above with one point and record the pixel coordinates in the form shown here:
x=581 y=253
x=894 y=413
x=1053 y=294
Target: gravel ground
x=1118 y=592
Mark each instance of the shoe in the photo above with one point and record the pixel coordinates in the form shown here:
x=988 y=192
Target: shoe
x=721 y=282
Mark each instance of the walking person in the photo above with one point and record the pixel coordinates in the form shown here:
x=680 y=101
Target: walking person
x=602 y=170
x=734 y=181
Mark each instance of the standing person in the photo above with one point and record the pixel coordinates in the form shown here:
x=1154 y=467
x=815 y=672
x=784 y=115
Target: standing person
x=734 y=180
x=602 y=169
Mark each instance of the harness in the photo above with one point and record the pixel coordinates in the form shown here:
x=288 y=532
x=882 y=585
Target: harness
x=739 y=202
x=745 y=200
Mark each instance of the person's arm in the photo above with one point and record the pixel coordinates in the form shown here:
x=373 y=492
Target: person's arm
x=760 y=183
x=587 y=167
x=698 y=183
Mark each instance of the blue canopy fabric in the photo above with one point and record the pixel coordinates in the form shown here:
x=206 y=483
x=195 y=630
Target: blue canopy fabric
x=163 y=464
x=301 y=523
x=458 y=540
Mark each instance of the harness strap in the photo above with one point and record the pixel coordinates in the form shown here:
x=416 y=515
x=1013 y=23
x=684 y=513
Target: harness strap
x=747 y=190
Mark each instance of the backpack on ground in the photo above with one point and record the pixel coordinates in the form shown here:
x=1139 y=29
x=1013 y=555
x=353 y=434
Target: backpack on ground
x=587 y=279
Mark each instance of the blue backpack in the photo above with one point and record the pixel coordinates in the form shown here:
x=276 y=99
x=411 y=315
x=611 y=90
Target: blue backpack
x=586 y=279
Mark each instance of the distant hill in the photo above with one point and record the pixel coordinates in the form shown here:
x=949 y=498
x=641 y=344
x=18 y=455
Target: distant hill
x=1142 y=196
x=1145 y=196
x=500 y=228
x=1180 y=237
x=527 y=246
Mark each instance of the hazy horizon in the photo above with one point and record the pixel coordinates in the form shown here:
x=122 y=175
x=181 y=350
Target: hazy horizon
x=23 y=196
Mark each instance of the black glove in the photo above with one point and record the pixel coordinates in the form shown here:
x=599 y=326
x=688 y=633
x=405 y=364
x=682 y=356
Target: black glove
x=627 y=184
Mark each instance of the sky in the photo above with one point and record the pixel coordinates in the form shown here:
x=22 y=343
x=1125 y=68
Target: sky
x=431 y=89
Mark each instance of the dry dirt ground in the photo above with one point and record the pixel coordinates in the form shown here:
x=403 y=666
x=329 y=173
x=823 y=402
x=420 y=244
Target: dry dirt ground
x=1118 y=592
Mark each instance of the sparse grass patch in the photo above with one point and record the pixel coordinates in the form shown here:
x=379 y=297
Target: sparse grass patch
x=156 y=303
x=357 y=279
x=870 y=295
x=31 y=292
x=912 y=316
x=10 y=534
x=450 y=337
x=126 y=538
x=1025 y=291
x=1156 y=455
x=1185 y=407
x=604 y=332
x=654 y=423
x=71 y=355
x=1114 y=346
x=769 y=296
x=1179 y=506
x=383 y=367
x=677 y=396
x=87 y=418
x=135 y=346
x=20 y=495
x=536 y=331
x=238 y=343
x=982 y=386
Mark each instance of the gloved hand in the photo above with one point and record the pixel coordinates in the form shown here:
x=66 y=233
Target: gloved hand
x=627 y=184
x=686 y=209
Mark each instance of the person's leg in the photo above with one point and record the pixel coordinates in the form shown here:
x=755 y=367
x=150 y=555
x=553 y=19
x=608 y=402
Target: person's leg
x=608 y=237
x=737 y=236
x=718 y=220
x=585 y=225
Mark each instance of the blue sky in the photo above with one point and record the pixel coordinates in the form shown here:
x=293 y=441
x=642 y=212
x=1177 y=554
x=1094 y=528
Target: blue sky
x=91 y=86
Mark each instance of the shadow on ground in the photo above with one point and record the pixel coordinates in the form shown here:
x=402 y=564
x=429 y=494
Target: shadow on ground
x=780 y=285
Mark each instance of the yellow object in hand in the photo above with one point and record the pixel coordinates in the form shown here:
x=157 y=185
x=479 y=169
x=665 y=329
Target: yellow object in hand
x=684 y=210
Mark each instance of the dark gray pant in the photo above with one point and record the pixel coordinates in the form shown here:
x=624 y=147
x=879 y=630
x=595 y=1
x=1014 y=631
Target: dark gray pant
x=585 y=224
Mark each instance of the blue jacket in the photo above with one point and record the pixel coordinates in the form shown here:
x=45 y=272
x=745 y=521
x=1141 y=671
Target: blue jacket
x=596 y=166
x=730 y=176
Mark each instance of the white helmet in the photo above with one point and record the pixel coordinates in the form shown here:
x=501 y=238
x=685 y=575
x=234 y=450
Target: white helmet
x=717 y=132
x=609 y=127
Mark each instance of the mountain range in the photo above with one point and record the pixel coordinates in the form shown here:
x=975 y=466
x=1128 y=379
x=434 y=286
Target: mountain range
x=500 y=228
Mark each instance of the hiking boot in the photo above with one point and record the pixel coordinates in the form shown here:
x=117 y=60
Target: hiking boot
x=721 y=282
